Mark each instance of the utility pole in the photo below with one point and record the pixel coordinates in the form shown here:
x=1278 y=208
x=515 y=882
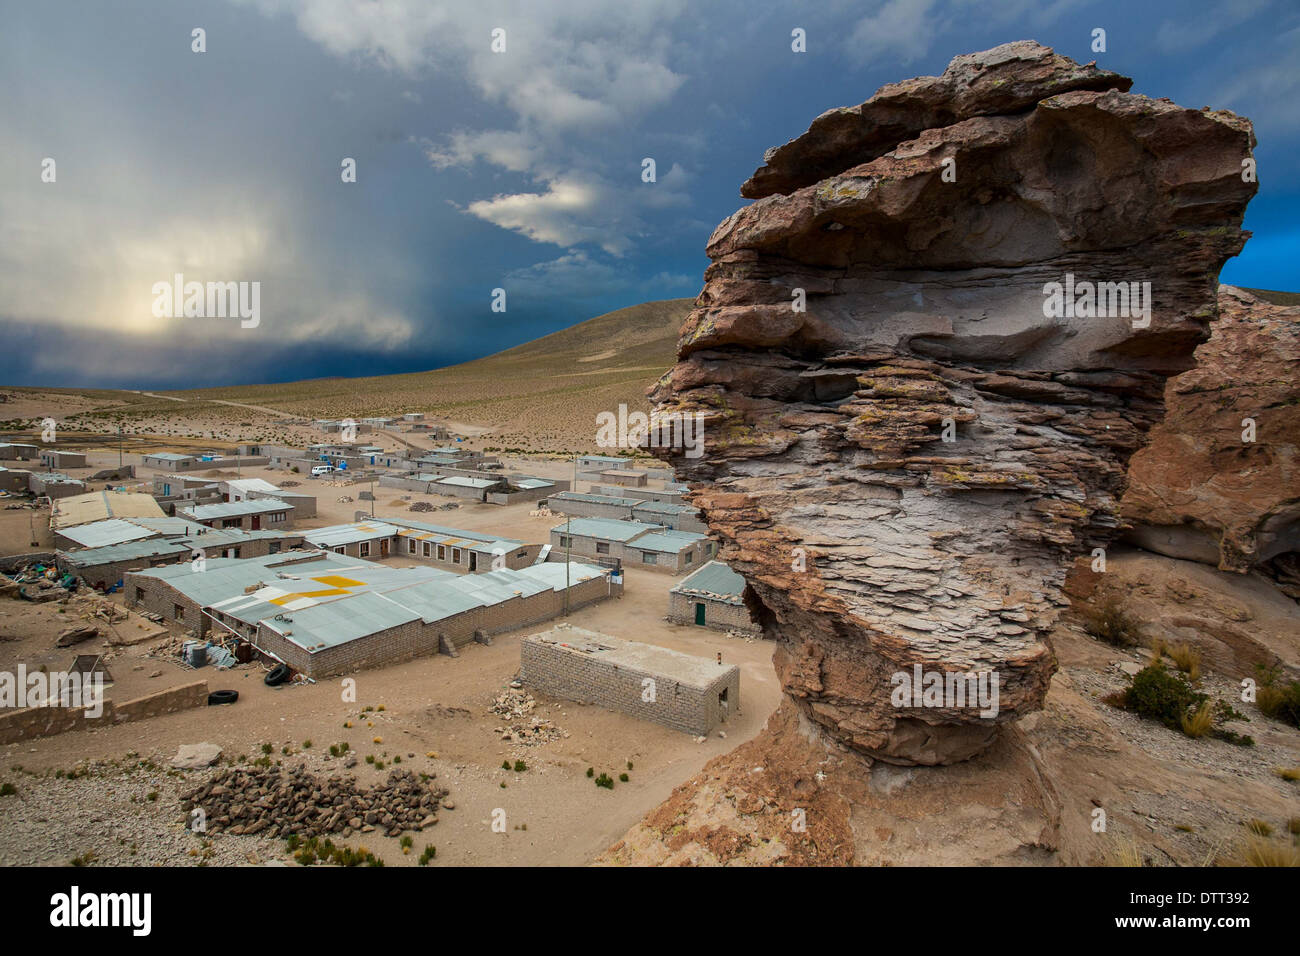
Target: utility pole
x=372 y=497
x=119 y=446
x=568 y=538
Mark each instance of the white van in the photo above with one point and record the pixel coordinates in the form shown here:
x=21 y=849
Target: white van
x=318 y=470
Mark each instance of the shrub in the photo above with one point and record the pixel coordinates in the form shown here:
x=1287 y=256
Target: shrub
x=430 y=851
x=1158 y=695
x=7 y=789
x=604 y=780
x=520 y=766
x=1260 y=827
x=1289 y=774
x=623 y=777
x=1109 y=622
x=591 y=771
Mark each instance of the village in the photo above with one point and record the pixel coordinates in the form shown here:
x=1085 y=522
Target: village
x=552 y=640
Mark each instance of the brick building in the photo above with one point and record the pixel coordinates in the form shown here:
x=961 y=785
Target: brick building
x=686 y=693
x=712 y=597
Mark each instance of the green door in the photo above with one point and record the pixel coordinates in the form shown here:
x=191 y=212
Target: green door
x=699 y=614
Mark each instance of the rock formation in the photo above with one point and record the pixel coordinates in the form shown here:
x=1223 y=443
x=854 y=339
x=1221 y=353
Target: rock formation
x=909 y=433
x=1220 y=480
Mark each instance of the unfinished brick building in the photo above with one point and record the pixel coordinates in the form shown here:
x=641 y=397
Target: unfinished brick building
x=691 y=694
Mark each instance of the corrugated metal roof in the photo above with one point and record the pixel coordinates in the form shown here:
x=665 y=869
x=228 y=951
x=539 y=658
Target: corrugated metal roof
x=341 y=534
x=609 y=529
x=662 y=507
x=246 y=485
x=98 y=534
x=329 y=625
x=234 y=509
x=463 y=482
x=98 y=505
x=595 y=499
x=171 y=456
x=127 y=551
x=533 y=483
x=714 y=580
x=668 y=542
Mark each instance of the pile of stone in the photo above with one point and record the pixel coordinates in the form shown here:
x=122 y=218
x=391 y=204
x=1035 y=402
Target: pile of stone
x=421 y=506
x=515 y=705
x=278 y=803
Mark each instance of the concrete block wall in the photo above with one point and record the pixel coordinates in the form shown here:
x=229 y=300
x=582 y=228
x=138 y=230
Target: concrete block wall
x=32 y=722
x=572 y=675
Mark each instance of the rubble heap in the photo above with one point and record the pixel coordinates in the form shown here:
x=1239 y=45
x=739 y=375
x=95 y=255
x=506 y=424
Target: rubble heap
x=270 y=800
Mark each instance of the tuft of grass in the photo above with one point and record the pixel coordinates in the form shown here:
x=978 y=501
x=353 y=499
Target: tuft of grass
x=605 y=780
x=1277 y=700
x=1261 y=851
x=1289 y=774
x=7 y=789
x=1123 y=852
x=1187 y=659
x=1259 y=827
x=1199 y=722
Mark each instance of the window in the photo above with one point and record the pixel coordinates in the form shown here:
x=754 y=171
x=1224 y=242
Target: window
x=690 y=556
x=564 y=541
x=139 y=595
x=602 y=547
x=275 y=547
x=455 y=555
x=410 y=546
x=649 y=557
x=232 y=523
x=365 y=549
x=178 y=612
x=340 y=550
x=442 y=552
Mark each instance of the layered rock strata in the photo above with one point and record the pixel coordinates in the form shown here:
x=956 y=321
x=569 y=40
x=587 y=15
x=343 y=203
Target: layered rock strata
x=908 y=437
x=1219 y=481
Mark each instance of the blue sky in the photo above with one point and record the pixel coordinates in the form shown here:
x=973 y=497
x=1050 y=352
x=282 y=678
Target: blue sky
x=478 y=170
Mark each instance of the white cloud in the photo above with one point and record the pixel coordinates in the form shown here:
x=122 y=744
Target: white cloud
x=901 y=29
x=1187 y=33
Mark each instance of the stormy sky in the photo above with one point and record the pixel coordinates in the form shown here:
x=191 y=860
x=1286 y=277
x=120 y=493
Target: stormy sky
x=478 y=170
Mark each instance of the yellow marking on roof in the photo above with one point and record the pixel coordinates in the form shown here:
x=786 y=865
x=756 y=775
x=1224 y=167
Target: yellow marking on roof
x=338 y=581
x=299 y=595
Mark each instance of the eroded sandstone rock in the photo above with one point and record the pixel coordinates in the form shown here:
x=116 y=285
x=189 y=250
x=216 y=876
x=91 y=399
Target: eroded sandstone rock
x=1220 y=480
x=870 y=543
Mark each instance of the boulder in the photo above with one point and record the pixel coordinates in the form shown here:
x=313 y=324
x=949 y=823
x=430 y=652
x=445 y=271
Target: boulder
x=196 y=756
x=921 y=362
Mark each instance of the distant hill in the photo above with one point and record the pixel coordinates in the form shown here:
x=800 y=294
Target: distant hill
x=1277 y=298
x=542 y=395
